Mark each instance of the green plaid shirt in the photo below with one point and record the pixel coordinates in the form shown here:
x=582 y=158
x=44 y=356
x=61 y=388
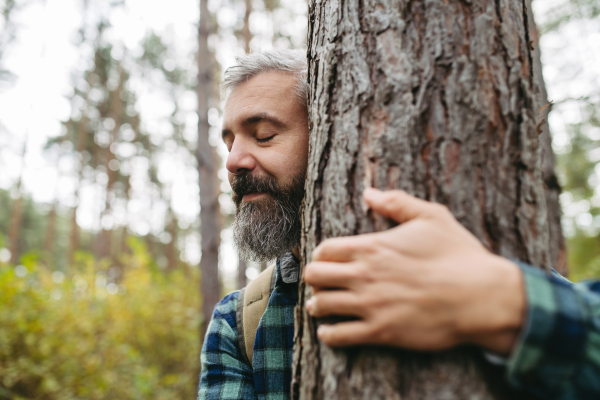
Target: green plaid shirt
x=557 y=356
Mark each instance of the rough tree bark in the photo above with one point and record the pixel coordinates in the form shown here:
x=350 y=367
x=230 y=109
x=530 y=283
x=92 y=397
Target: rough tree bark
x=436 y=98
x=558 y=250
x=210 y=212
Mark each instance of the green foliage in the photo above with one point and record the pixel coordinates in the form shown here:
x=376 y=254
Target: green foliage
x=82 y=335
x=584 y=257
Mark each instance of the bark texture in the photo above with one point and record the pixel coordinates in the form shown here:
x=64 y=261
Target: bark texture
x=558 y=250
x=210 y=211
x=437 y=98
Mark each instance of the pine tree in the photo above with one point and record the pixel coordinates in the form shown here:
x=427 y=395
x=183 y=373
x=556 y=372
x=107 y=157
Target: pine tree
x=438 y=99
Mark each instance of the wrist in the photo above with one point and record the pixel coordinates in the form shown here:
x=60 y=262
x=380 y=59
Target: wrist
x=505 y=300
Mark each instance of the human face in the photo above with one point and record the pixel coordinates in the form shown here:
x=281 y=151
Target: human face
x=265 y=129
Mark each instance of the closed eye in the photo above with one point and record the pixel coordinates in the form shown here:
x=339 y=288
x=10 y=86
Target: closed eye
x=265 y=140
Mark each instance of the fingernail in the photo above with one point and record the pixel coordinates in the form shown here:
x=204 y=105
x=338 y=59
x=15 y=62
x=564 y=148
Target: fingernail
x=321 y=330
x=309 y=305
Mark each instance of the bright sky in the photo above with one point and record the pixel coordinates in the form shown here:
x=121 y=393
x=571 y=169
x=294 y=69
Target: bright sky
x=44 y=57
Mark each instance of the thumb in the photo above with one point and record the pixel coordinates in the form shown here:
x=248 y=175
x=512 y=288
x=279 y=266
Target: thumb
x=397 y=205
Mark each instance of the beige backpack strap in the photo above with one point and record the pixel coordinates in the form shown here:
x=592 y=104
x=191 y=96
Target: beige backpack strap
x=251 y=305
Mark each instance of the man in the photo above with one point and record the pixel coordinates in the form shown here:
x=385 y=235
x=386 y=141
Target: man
x=427 y=284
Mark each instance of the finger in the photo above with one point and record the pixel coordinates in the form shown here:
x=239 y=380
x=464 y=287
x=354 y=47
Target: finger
x=342 y=249
x=346 y=334
x=335 y=302
x=327 y=275
x=398 y=205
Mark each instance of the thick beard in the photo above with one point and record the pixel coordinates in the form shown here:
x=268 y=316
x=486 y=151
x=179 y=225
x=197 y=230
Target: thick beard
x=268 y=227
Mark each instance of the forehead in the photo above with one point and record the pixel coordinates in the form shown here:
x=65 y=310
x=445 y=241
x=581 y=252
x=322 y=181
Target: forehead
x=269 y=91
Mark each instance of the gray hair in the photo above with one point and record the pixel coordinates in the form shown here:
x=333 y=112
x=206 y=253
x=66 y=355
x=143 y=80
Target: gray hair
x=250 y=65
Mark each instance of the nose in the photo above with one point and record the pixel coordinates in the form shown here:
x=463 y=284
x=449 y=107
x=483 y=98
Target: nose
x=240 y=159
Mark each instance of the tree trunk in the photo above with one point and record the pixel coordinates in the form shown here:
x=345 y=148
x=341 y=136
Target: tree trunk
x=16 y=214
x=558 y=251
x=242 y=280
x=14 y=230
x=105 y=245
x=82 y=137
x=246 y=28
x=210 y=213
x=171 y=247
x=436 y=98
x=49 y=238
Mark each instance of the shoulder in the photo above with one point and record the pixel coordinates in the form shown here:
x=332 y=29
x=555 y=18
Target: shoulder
x=226 y=308
x=223 y=324
x=223 y=320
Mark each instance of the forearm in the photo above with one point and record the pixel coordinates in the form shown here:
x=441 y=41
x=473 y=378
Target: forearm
x=497 y=314
x=557 y=355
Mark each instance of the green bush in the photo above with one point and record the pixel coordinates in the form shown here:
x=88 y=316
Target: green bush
x=81 y=336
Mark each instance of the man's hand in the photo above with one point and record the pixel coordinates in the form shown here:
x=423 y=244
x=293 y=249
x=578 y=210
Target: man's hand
x=427 y=284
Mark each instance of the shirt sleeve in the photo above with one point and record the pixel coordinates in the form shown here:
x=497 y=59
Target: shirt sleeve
x=224 y=375
x=558 y=353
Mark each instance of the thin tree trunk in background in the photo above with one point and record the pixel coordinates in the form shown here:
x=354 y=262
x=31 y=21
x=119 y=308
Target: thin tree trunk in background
x=16 y=214
x=124 y=245
x=172 y=245
x=49 y=239
x=436 y=98
x=247 y=34
x=242 y=280
x=115 y=112
x=82 y=135
x=246 y=28
x=14 y=229
x=210 y=213
x=558 y=251
x=149 y=240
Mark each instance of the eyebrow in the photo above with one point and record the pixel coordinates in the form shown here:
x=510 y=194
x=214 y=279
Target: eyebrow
x=255 y=119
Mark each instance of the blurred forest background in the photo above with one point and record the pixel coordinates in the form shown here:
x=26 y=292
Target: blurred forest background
x=100 y=140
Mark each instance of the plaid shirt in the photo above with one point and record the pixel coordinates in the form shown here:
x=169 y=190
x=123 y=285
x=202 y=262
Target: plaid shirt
x=557 y=356
x=224 y=375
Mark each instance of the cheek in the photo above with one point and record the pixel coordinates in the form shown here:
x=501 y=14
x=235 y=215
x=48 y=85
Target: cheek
x=298 y=156
x=287 y=161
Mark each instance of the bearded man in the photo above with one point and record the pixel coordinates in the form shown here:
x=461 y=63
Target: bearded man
x=431 y=284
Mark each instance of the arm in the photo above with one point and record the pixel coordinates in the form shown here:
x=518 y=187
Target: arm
x=429 y=284
x=558 y=353
x=224 y=375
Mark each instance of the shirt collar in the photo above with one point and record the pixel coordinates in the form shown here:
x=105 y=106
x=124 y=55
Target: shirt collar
x=288 y=268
